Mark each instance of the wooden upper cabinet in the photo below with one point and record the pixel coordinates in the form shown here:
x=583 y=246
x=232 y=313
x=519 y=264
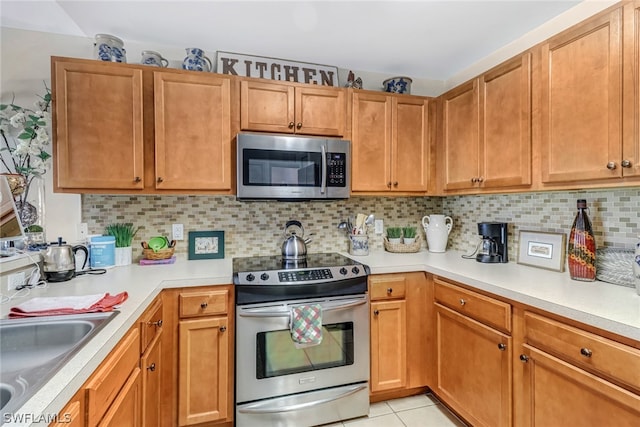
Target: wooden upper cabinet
x=390 y=143
x=631 y=93
x=486 y=129
x=370 y=142
x=192 y=131
x=98 y=126
x=286 y=108
x=505 y=131
x=581 y=101
x=461 y=136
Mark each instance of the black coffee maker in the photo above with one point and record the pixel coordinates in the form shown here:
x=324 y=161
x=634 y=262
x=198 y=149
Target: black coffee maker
x=493 y=247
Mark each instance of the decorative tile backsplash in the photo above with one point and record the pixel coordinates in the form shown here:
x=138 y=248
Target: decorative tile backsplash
x=256 y=228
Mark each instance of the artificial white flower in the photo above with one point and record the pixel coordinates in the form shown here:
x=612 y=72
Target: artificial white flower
x=42 y=136
x=18 y=119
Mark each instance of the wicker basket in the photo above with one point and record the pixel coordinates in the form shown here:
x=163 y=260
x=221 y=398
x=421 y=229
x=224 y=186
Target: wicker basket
x=401 y=247
x=166 y=253
x=615 y=265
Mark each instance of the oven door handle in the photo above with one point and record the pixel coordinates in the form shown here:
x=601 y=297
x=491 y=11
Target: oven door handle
x=265 y=408
x=286 y=313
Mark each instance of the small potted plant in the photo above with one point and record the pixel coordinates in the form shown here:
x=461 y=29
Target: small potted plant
x=394 y=234
x=124 y=234
x=409 y=233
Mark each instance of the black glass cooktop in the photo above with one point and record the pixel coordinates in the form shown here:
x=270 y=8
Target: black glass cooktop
x=276 y=263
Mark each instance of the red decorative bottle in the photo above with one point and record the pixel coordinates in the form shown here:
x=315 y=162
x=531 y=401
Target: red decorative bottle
x=582 y=247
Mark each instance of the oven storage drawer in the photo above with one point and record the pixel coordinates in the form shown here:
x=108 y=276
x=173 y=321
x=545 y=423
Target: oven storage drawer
x=195 y=304
x=322 y=406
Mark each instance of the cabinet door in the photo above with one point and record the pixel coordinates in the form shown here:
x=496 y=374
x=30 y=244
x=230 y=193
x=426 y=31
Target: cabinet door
x=203 y=370
x=631 y=108
x=461 y=137
x=557 y=393
x=581 y=102
x=192 y=131
x=151 y=364
x=410 y=144
x=371 y=142
x=388 y=345
x=125 y=410
x=268 y=107
x=320 y=111
x=505 y=137
x=98 y=140
x=473 y=369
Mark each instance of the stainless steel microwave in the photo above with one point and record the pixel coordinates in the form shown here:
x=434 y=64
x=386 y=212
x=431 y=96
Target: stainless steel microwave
x=287 y=167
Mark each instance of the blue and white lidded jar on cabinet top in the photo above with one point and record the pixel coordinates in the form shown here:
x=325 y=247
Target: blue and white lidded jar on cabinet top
x=196 y=60
x=154 y=59
x=397 y=85
x=636 y=266
x=109 y=48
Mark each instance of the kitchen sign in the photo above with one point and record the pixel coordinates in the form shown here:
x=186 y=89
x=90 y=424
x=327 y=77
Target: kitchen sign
x=237 y=64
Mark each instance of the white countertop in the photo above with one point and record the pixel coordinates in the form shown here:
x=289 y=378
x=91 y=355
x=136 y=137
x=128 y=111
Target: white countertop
x=606 y=306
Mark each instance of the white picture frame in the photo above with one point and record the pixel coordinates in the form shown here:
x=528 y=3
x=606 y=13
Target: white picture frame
x=542 y=250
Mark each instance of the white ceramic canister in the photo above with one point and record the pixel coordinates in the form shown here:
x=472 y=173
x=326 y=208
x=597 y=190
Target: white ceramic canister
x=109 y=48
x=636 y=266
x=154 y=59
x=437 y=229
x=359 y=244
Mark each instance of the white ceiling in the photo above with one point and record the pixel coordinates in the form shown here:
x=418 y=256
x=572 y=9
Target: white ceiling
x=422 y=39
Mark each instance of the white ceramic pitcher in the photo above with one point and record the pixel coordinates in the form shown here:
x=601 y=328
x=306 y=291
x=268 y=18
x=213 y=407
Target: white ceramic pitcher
x=437 y=229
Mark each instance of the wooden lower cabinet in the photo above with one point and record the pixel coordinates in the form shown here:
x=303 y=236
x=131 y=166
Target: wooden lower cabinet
x=125 y=409
x=72 y=415
x=399 y=334
x=151 y=364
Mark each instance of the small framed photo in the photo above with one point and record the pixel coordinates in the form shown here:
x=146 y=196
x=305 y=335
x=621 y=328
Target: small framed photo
x=542 y=250
x=206 y=244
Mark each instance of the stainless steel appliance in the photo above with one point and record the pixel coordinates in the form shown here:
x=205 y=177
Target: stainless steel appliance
x=493 y=248
x=285 y=167
x=280 y=383
x=59 y=261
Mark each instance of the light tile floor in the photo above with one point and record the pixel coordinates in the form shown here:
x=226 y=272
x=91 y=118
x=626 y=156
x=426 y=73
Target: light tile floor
x=422 y=410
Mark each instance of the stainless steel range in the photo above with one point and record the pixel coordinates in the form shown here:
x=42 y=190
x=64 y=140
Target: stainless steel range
x=281 y=382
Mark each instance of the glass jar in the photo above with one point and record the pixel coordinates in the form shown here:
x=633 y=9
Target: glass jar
x=581 y=252
x=31 y=208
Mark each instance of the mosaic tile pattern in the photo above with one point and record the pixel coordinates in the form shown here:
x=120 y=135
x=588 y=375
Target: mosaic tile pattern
x=256 y=228
x=614 y=215
x=251 y=228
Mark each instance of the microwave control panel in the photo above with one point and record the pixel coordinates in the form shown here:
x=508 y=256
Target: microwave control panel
x=336 y=170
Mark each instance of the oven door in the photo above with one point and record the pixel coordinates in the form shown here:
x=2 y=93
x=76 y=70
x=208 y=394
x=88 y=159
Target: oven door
x=291 y=167
x=268 y=363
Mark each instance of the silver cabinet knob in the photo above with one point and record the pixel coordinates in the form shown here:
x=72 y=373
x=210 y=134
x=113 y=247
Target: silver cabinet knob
x=524 y=358
x=158 y=323
x=223 y=328
x=462 y=301
x=474 y=179
x=586 y=352
x=502 y=347
x=204 y=305
x=151 y=367
x=481 y=179
x=611 y=165
x=376 y=312
x=389 y=290
x=626 y=164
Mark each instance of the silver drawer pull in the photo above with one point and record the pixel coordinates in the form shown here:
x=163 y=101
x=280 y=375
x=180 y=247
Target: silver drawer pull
x=586 y=352
x=204 y=305
x=502 y=347
x=462 y=301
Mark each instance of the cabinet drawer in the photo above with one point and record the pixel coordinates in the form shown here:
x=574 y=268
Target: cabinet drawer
x=193 y=304
x=484 y=309
x=584 y=349
x=150 y=324
x=387 y=286
x=111 y=376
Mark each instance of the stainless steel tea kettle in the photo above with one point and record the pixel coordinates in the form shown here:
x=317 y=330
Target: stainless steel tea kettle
x=294 y=247
x=60 y=261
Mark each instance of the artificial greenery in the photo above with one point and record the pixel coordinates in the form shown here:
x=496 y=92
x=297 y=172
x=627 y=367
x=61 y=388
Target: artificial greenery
x=123 y=233
x=394 y=232
x=409 y=232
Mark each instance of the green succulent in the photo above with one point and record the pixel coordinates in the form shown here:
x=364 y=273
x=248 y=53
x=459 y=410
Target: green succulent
x=123 y=233
x=409 y=232
x=394 y=232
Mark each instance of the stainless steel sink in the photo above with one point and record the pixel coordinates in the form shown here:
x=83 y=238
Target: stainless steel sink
x=32 y=350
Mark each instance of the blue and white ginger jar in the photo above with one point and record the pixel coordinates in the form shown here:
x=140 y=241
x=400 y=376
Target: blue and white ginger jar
x=196 y=60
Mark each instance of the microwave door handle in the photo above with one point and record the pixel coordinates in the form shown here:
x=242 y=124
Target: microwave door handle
x=287 y=312
x=323 y=188
x=266 y=408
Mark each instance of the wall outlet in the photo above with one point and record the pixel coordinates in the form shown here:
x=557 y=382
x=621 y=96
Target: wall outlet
x=15 y=280
x=379 y=226
x=83 y=232
x=178 y=232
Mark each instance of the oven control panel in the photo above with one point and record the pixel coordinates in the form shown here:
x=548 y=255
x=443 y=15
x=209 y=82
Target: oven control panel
x=299 y=276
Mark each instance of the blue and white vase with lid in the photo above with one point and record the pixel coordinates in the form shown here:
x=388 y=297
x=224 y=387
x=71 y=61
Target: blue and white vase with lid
x=636 y=266
x=196 y=60
x=109 y=48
